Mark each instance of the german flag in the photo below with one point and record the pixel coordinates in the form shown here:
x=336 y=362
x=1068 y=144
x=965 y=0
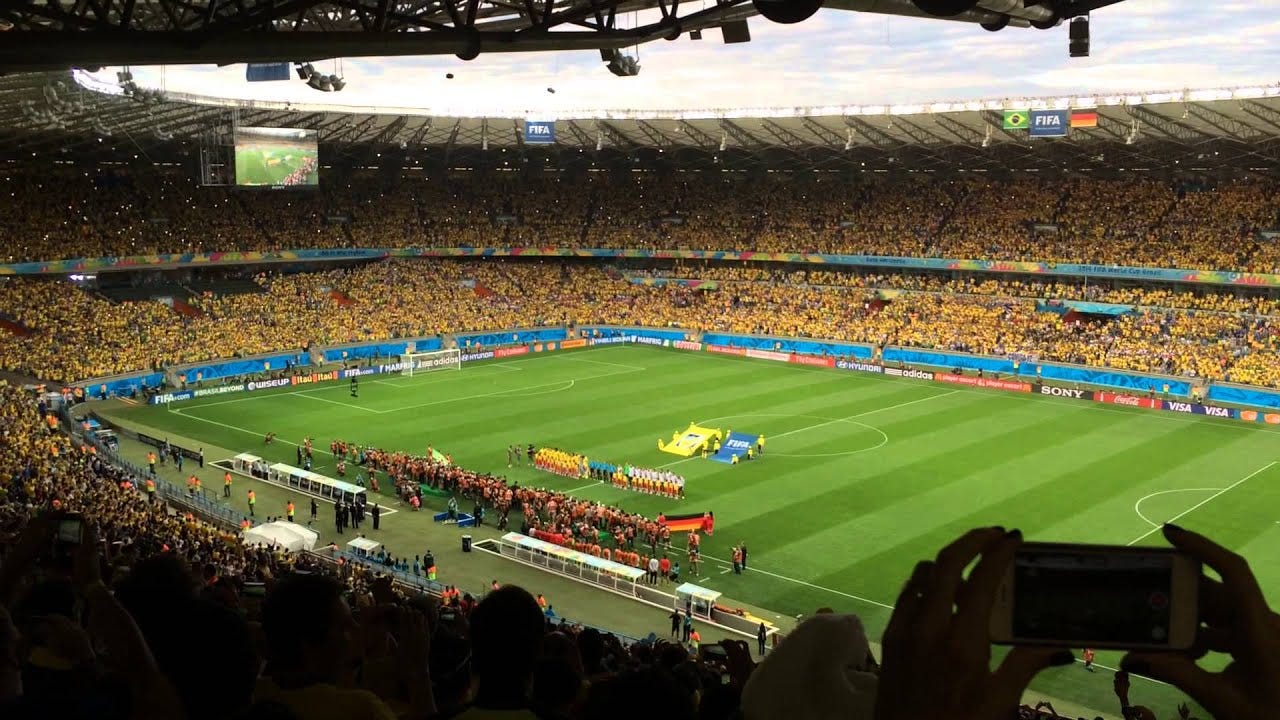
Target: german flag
x=684 y=523
x=1084 y=119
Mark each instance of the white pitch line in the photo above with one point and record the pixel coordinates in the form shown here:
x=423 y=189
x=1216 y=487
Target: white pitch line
x=601 y=362
x=833 y=591
x=498 y=393
x=1144 y=498
x=1021 y=397
x=304 y=394
x=1203 y=502
x=584 y=487
x=837 y=420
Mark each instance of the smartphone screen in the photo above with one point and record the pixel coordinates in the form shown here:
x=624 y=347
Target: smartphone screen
x=1095 y=596
x=70 y=531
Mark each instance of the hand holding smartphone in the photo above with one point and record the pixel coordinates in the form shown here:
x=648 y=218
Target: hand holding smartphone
x=1098 y=596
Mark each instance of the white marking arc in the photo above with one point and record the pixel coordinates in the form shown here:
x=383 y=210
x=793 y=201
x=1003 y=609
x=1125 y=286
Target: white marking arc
x=884 y=437
x=1144 y=498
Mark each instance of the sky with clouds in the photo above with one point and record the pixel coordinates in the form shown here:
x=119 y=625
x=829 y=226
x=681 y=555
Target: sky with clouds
x=835 y=57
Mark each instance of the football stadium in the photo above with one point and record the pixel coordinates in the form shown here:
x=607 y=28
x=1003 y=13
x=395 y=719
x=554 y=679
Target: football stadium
x=962 y=409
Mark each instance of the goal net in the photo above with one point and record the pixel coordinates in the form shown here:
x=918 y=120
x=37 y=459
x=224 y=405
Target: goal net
x=422 y=362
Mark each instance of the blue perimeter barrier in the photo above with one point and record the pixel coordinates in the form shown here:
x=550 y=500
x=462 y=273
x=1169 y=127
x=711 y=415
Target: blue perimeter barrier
x=231 y=368
x=660 y=336
x=1244 y=396
x=518 y=337
x=1060 y=373
x=801 y=346
x=392 y=349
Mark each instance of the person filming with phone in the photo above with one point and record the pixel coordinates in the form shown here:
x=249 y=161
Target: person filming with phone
x=937 y=646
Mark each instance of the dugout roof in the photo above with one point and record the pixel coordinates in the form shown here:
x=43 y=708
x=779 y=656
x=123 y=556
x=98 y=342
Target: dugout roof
x=1193 y=131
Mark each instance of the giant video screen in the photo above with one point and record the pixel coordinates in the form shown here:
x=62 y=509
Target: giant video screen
x=277 y=157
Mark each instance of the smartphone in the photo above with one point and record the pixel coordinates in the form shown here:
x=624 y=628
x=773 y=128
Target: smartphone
x=70 y=531
x=712 y=651
x=1098 y=596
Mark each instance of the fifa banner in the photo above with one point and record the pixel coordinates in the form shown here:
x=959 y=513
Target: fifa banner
x=1050 y=123
x=736 y=446
x=539 y=132
x=692 y=440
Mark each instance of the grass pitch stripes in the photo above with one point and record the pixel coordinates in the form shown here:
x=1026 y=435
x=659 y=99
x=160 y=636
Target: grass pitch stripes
x=827 y=529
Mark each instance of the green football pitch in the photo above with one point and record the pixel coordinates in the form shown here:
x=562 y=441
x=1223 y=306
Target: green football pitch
x=862 y=475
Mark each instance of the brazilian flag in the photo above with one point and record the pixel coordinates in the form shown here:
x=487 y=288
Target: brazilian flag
x=1015 y=119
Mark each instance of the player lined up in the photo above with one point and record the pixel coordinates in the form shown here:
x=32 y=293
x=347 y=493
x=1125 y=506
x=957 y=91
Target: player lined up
x=625 y=477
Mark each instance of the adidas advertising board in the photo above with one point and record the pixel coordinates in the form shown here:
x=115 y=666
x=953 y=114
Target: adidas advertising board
x=915 y=374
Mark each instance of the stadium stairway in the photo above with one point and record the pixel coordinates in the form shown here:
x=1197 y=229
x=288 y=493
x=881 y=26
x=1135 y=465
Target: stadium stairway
x=341 y=298
x=14 y=327
x=186 y=310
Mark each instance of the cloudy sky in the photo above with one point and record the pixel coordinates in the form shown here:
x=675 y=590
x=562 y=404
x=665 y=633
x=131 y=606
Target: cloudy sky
x=836 y=57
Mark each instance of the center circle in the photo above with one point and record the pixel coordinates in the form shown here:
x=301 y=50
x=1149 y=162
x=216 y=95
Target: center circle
x=884 y=437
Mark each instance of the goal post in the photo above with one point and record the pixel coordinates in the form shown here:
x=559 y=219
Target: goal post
x=421 y=362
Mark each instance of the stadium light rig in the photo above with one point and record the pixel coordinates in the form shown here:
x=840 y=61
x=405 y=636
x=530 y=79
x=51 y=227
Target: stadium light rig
x=619 y=64
x=318 y=80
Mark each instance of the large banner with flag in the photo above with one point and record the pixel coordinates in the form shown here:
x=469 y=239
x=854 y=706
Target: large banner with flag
x=1049 y=123
x=1015 y=119
x=688 y=522
x=735 y=447
x=1084 y=119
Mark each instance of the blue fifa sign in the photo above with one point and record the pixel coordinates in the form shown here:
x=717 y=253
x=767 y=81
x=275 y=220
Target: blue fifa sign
x=1050 y=123
x=539 y=132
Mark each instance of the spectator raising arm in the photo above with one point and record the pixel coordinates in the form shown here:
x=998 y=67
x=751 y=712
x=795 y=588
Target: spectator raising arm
x=1237 y=621
x=936 y=651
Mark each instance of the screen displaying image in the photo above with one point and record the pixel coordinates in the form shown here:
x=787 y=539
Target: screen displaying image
x=277 y=157
x=1095 y=596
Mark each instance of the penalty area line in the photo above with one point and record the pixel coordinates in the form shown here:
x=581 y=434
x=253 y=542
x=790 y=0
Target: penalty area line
x=1202 y=503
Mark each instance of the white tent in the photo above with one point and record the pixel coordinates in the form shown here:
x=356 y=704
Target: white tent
x=282 y=533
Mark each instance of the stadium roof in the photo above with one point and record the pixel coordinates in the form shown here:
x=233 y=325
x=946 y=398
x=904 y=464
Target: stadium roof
x=1202 y=130
x=61 y=34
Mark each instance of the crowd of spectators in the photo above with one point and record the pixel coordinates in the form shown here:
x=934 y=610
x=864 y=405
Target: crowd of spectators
x=79 y=335
x=155 y=612
x=69 y=211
